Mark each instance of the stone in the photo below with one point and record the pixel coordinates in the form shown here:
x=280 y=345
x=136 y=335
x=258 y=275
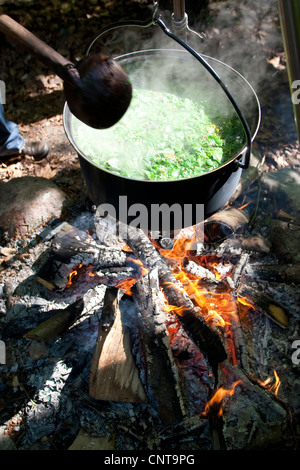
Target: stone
x=37 y=350
x=285 y=239
x=27 y=202
x=285 y=182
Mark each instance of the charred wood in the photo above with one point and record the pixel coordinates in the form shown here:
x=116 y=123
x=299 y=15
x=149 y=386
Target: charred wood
x=114 y=375
x=287 y=273
x=255 y=245
x=262 y=303
x=239 y=269
x=225 y=223
x=58 y=324
x=267 y=417
x=197 y=270
x=162 y=380
x=206 y=338
x=69 y=251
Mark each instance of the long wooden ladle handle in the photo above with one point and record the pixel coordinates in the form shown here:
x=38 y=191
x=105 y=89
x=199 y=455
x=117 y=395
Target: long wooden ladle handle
x=51 y=58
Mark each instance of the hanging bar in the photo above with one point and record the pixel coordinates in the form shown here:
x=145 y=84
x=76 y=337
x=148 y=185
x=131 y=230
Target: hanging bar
x=179 y=10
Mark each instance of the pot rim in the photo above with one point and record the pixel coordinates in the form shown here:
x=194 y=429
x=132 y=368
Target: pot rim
x=67 y=118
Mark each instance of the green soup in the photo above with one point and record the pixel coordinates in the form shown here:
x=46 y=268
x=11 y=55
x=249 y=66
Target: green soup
x=162 y=137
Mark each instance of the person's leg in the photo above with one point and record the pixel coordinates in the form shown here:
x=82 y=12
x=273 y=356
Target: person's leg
x=11 y=142
x=10 y=138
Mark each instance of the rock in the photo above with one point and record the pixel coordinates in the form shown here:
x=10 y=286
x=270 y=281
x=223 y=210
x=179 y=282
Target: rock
x=37 y=350
x=285 y=239
x=284 y=182
x=27 y=202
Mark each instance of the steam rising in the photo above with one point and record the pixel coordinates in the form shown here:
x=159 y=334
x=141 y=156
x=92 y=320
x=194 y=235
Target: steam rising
x=234 y=32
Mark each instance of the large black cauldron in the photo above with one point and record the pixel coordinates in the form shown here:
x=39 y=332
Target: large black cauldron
x=178 y=72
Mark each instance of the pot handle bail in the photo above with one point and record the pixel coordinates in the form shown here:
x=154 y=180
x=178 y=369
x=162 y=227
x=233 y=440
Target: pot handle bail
x=244 y=164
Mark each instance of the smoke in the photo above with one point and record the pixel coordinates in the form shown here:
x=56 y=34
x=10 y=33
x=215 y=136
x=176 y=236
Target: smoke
x=245 y=35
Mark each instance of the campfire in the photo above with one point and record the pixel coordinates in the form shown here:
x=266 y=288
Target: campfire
x=174 y=327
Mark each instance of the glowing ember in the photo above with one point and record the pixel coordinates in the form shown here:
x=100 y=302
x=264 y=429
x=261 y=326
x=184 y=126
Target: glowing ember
x=216 y=401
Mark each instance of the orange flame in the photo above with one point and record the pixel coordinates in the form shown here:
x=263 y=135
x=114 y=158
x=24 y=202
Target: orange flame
x=271 y=388
x=174 y=308
x=244 y=205
x=127 y=248
x=216 y=400
x=126 y=284
x=217 y=308
x=216 y=272
x=180 y=248
x=143 y=270
x=72 y=275
x=244 y=301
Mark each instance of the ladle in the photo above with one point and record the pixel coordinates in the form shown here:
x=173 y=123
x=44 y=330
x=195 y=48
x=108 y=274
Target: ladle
x=97 y=89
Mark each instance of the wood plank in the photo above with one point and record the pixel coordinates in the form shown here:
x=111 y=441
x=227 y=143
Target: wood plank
x=114 y=375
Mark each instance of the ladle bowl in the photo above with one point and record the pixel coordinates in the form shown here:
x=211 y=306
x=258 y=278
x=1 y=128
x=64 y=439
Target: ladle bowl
x=97 y=90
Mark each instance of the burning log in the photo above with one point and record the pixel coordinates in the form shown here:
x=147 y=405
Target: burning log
x=266 y=414
x=206 y=338
x=57 y=324
x=197 y=270
x=114 y=375
x=255 y=245
x=72 y=250
x=254 y=298
x=156 y=350
x=225 y=223
x=287 y=273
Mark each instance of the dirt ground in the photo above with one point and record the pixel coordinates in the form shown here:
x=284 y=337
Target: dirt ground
x=35 y=99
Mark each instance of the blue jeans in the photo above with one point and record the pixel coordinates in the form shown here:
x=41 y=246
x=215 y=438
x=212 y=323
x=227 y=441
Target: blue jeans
x=10 y=138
